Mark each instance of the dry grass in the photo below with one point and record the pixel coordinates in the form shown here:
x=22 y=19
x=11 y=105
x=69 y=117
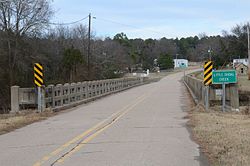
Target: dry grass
x=244 y=83
x=224 y=137
x=10 y=122
x=161 y=74
x=198 y=74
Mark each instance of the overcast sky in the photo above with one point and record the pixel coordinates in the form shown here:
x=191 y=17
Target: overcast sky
x=155 y=18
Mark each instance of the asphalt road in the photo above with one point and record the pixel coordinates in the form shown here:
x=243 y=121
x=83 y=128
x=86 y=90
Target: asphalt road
x=143 y=126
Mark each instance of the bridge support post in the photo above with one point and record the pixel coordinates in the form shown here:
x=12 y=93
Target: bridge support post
x=207 y=99
x=52 y=87
x=41 y=99
x=234 y=97
x=14 y=99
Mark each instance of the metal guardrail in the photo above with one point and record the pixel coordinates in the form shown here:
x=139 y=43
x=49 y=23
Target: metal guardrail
x=198 y=91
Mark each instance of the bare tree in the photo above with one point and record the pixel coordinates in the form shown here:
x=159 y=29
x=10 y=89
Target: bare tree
x=24 y=16
x=19 y=18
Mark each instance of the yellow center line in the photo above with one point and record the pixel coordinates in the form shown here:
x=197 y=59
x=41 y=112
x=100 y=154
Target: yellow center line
x=81 y=136
x=91 y=137
x=84 y=142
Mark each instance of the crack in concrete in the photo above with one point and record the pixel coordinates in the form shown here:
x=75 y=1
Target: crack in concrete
x=80 y=142
x=113 y=120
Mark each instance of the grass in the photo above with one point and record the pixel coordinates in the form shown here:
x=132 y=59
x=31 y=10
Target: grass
x=223 y=137
x=10 y=122
x=161 y=74
x=198 y=74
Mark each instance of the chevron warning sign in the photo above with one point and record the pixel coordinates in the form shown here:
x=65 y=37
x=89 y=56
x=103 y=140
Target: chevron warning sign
x=38 y=74
x=208 y=68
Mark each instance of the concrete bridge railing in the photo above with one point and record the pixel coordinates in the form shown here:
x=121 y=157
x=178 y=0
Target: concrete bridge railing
x=68 y=95
x=197 y=88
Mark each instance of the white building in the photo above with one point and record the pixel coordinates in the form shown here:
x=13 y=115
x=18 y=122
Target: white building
x=238 y=61
x=180 y=63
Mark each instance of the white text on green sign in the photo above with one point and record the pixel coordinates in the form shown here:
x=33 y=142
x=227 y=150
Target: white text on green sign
x=224 y=76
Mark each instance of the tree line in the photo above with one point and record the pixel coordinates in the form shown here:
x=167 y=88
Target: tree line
x=27 y=37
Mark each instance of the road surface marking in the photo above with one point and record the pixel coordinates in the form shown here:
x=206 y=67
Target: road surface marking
x=117 y=114
x=91 y=137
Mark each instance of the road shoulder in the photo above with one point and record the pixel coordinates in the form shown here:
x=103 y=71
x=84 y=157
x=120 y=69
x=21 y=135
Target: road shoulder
x=223 y=137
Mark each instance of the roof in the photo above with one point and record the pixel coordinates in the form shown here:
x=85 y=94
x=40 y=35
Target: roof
x=240 y=59
x=241 y=64
x=181 y=59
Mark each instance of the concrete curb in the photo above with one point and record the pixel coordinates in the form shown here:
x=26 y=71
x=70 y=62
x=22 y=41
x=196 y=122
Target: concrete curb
x=191 y=92
x=90 y=99
x=72 y=105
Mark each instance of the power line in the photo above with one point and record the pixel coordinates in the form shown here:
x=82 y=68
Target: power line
x=102 y=19
x=114 y=22
x=131 y=26
x=69 y=23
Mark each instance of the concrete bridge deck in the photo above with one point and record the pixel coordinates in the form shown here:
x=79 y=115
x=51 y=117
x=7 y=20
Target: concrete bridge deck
x=141 y=126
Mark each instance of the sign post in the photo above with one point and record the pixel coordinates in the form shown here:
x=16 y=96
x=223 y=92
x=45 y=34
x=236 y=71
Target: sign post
x=39 y=99
x=223 y=97
x=206 y=97
x=38 y=80
x=208 y=68
x=224 y=77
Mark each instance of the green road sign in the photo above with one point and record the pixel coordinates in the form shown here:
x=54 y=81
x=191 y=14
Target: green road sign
x=224 y=76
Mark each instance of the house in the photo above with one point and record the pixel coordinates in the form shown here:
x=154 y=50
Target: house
x=241 y=69
x=180 y=63
x=239 y=61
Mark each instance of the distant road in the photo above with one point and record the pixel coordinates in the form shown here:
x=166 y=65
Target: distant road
x=143 y=126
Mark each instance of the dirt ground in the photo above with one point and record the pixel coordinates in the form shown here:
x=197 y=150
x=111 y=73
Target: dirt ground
x=10 y=122
x=223 y=137
x=244 y=83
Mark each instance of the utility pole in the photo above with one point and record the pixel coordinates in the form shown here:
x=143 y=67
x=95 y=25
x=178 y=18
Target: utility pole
x=89 y=40
x=176 y=60
x=248 y=37
x=210 y=53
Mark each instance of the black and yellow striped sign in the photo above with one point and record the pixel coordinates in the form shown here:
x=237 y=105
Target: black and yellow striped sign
x=38 y=74
x=208 y=68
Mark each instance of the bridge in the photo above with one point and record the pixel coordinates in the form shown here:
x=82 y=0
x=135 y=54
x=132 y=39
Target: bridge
x=144 y=125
